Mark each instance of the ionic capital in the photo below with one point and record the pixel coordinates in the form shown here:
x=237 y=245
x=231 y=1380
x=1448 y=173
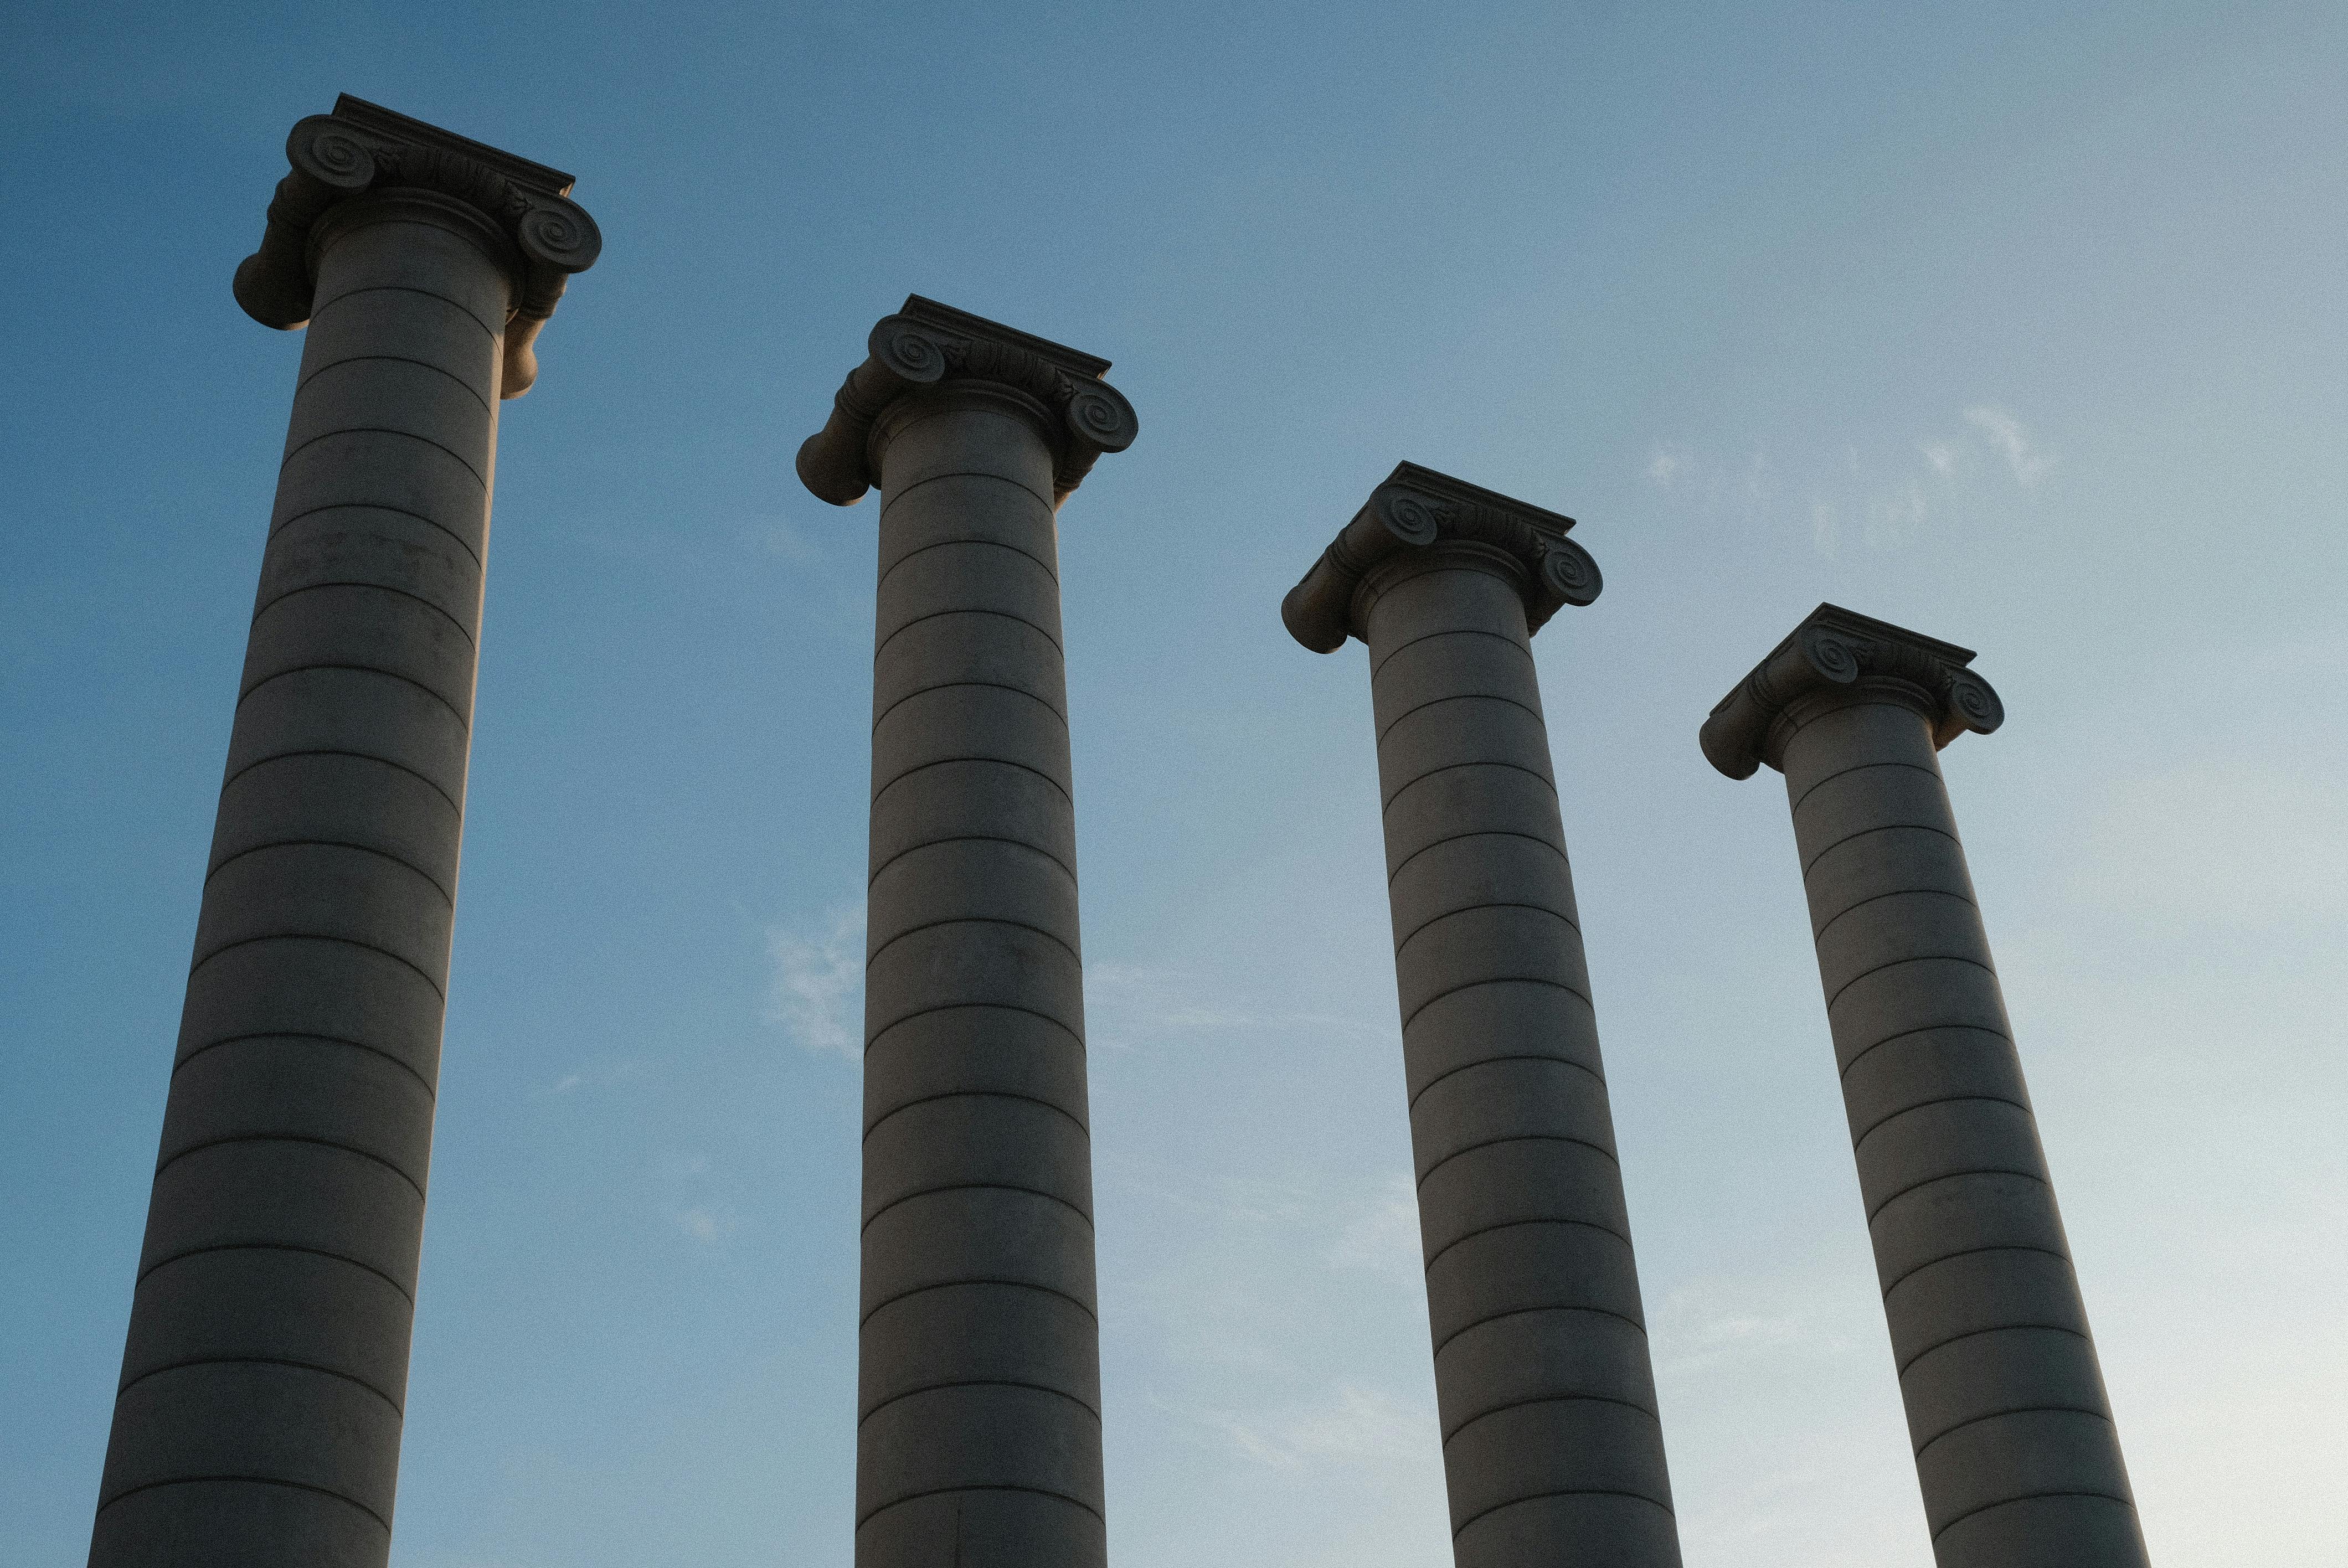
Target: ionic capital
x=1837 y=655
x=926 y=344
x=1418 y=510
x=363 y=147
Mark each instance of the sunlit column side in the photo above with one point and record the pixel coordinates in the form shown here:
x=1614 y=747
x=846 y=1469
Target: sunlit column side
x=978 y=1404
x=1552 y=1447
x=258 y=1418
x=2013 y=1439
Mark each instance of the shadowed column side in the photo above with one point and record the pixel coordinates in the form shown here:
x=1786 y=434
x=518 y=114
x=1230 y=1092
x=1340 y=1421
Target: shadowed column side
x=259 y=1414
x=2015 y=1450
x=979 y=1434
x=1553 y=1451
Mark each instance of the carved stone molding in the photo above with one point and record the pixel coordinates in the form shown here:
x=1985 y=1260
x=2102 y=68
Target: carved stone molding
x=1837 y=653
x=1416 y=509
x=926 y=344
x=363 y=148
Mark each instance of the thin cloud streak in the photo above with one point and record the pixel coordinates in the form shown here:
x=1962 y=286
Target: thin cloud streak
x=817 y=993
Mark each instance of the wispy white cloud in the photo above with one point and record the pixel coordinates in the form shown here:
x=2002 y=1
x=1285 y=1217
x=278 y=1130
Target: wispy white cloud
x=1350 y=1425
x=2025 y=457
x=817 y=992
x=1883 y=503
x=1128 y=1003
x=1383 y=1237
x=590 y=1076
x=704 y=1224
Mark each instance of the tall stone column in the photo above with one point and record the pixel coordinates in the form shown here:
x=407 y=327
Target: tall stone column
x=259 y=1415
x=2013 y=1439
x=978 y=1397
x=1553 y=1449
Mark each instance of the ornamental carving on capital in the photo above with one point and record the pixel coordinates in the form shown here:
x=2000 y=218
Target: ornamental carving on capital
x=926 y=344
x=1836 y=653
x=1418 y=510
x=362 y=149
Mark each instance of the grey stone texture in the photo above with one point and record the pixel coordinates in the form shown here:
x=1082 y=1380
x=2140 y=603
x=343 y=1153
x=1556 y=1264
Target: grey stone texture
x=258 y=1418
x=979 y=1426
x=1553 y=1451
x=2014 y=1444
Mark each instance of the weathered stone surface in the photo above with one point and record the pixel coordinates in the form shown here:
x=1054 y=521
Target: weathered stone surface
x=978 y=1441
x=1552 y=1447
x=259 y=1418
x=2015 y=1450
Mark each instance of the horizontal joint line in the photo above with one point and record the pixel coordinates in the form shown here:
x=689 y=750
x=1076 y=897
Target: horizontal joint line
x=1089 y=1409
x=1568 y=1491
x=383 y=1523
x=1524 y=649
x=222 y=1143
x=462 y=629
x=457 y=306
x=1526 y=1311
x=977 y=1094
x=462 y=543
x=363 y=670
x=1475 y=832
x=459 y=458
x=1911 y=959
x=1514 y=1224
x=1495 y=980
x=881 y=1306
x=1000 y=762
x=1928 y=1104
x=446 y=896
x=874 y=1040
x=1861 y=767
x=873 y=957
x=1455 y=767
x=1921 y=1029
x=431 y=1091
x=406 y=1295
x=1520 y=1138
x=970 y=838
x=1995 y=1328
x=874 y=1217
x=1973 y=1252
x=1811 y=863
x=980 y=1486
x=1596 y=1076
x=1433 y=920
x=969 y=610
x=258 y=1361
x=1645 y=1410
x=1954 y=1177
x=393 y=359
x=1820 y=932
x=881 y=717
x=319 y=937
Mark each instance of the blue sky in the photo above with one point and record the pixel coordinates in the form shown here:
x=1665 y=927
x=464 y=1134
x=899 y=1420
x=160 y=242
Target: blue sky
x=2019 y=324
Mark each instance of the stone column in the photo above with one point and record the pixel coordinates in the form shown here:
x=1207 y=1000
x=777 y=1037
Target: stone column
x=978 y=1399
x=259 y=1414
x=2013 y=1439
x=1553 y=1449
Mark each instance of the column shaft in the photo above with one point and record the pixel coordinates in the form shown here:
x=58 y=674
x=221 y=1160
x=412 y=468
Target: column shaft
x=978 y=1440
x=2014 y=1444
x=1553 y=1449
x=259 y=1415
